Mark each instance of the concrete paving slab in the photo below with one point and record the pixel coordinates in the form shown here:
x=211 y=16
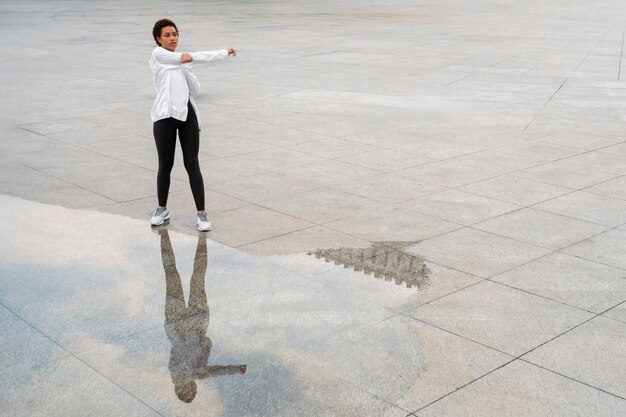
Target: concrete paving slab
x=607 y=248
x=302 y=242
x=25 y=348
x=448 y=173
x=390 y=189
x=571 y=280
x=540 y=228
x=329 y=173
x=582 y=141
x=516 y=190
x=521 y=389
x=619 y=149
x=489 y=313
x=617 y=313
x=460 y=207
x=333 y=148
x=613 y=188
x=54 y=387
x=608 y=366
x=252 y=224
x=323 y=205
x=561 y=173
x=495 y=161
x=225 y=169
x=387 y=160
x=600 y=161
x=593 y=208
x=476 y=252
x=263 y=188
x=384 y=360
x=393 y=224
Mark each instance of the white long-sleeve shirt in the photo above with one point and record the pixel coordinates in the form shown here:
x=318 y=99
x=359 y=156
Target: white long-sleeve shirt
x=175 y=83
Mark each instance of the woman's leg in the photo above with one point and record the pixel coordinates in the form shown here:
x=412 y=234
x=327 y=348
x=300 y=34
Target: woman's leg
x=175 y=307
x=165 y=138
x=197 y=294
x=189 y=136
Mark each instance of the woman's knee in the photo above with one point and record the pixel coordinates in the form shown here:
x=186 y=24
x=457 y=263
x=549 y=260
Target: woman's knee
x=192 y=166
x=166 y=166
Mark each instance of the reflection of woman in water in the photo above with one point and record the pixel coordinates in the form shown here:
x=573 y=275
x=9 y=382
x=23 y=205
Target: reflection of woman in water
x=186 y=325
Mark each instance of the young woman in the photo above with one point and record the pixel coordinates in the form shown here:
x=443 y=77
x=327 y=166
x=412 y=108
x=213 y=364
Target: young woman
x=174 y=110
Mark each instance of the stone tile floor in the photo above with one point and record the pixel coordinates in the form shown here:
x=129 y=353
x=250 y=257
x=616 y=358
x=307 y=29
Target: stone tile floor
x=489 y=138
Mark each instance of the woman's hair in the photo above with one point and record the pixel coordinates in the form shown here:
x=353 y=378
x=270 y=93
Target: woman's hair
x=160 y=24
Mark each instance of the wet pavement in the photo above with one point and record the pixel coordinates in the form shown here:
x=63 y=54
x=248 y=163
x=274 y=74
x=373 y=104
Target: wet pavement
x=418 y=210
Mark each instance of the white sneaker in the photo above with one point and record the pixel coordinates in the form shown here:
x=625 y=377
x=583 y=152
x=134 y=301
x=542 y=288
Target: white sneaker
x=204 y=224
x=159 y=216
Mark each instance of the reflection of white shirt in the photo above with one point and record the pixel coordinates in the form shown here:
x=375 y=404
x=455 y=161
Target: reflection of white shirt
x=175 y=83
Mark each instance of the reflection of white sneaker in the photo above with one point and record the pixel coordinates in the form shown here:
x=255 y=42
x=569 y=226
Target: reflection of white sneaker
x=159 y=216
x=204 y=224
x=161 y=229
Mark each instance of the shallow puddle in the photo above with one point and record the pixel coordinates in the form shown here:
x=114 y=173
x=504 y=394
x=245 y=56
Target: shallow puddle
x=382 y=260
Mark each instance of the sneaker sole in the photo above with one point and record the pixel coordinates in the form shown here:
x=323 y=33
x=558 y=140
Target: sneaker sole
x=162 y=221
x=205 y=230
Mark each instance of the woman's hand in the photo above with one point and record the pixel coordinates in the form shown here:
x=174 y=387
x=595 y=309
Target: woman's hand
x=185 y=58
x=232 y=51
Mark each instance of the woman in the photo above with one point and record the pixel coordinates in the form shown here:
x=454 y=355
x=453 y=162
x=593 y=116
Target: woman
x=174 y=110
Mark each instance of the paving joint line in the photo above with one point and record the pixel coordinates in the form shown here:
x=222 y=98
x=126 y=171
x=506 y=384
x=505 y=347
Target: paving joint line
x=595 y=315
x=547 y=212
x=571 y=378
x=71 y=354
x=507 y=59
x=545 y=105
x=591 y=50
x=513 y=357
x=408 y=310
x=593 y=260
x=243 y=245
x=619 y=68
x=465 y=385
x=32 y=131
x=519 y=357
x=539 y=295
x=70 y=183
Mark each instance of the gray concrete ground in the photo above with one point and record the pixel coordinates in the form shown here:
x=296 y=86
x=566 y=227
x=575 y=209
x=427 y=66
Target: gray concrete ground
x=486 y=138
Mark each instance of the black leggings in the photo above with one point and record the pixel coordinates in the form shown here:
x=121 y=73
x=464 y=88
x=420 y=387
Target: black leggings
x=165 y=137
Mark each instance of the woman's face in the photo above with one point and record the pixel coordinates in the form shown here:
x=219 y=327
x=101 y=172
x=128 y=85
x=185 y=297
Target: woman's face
x=169 y=38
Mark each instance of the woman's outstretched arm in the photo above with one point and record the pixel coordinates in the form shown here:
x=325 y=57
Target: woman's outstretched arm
x=165 y=57
x=208 y=56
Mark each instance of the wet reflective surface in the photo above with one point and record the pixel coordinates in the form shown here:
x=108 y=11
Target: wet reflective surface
x=186 y=324
x=383 y=260
x=102 y=316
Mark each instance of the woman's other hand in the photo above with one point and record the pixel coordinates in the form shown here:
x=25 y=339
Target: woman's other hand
x=185 y=58
x=232 y=51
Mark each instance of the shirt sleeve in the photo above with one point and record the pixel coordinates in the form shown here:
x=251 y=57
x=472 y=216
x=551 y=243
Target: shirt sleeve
x=165 y=57
x=208 y=56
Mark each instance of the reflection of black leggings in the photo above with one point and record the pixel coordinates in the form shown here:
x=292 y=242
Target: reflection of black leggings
x=165 y=137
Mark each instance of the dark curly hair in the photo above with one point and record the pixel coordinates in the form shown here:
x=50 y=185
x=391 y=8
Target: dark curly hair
x=160 y=24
